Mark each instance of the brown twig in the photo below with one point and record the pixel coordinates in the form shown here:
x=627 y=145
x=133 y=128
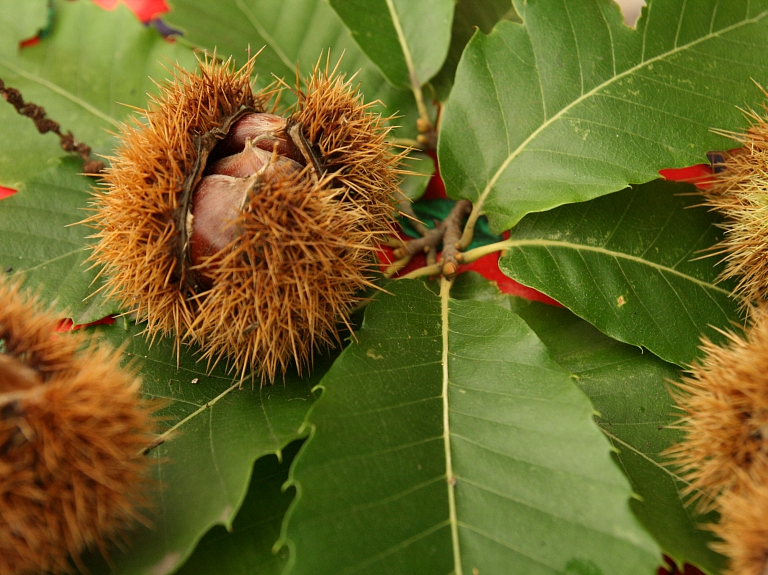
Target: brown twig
x=44 y=125
x=448 y=233
x=466 y=257
x=427 y=243
x=404 y=251
x=432 y=256
x=451 y=257
x=432 y=239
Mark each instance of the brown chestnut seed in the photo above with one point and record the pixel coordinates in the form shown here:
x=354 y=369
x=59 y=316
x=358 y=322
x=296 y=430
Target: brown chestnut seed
x=219 y=197
x=248 y=162
x=264 y=130
x=217 y=202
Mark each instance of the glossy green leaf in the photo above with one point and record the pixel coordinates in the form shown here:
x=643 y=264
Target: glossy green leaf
x=292 y=33
x=20 y=154
x=247 y=549
x=421 y=167
x=574 y=104
x=407 y=40
x=214 y=431
x=39 y=239
x=24 y=153
x=469 y=15
x=446 y=441
x=629 y=390
x=631 y=263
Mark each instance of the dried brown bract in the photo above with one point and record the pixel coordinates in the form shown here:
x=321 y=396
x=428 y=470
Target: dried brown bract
x=71 y=428
x=224 y=224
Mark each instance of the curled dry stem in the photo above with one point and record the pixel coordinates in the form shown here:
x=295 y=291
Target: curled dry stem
x=44 y=125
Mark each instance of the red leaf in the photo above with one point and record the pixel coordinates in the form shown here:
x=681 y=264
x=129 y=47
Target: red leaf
x=29 y=42
x=436 y=187
x=700 y=174
x=145 y=10
x=66 y=324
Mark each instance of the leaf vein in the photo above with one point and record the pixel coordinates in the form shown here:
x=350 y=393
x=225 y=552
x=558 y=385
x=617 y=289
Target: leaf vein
x=60 y=91
x=618 y=255
x=561 y=113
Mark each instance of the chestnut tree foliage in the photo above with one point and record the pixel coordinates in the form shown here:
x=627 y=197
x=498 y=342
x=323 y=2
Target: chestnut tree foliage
x=461 y=430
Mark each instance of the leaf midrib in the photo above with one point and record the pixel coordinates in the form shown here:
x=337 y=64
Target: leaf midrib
x=492 y=182
x=415 y=82
x=61 y=91
x=644 y=456
x=201 y=409
x=445 y=289
x=261 y=31
x=617 y=255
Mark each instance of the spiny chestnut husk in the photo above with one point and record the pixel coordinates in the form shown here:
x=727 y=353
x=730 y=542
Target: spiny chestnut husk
x=725 y=401
x=740 y=192
x=71 y=429
x=247 y=233
x=724 y=455
x=743 y=528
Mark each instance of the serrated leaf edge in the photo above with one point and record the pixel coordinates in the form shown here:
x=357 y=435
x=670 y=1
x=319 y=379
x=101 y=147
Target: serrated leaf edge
x=479 y=203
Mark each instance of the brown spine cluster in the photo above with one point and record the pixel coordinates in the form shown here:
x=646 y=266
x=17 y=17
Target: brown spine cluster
x=743 y=527
x=71 y=429
x=724 y=456
x=740 y=192
x=250 y=234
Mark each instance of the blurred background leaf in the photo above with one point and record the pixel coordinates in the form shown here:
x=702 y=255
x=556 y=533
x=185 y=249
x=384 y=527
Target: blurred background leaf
x=92 y=66
x=408 y=41
x=39 y=239
x=295 y=34
x=469 y=16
